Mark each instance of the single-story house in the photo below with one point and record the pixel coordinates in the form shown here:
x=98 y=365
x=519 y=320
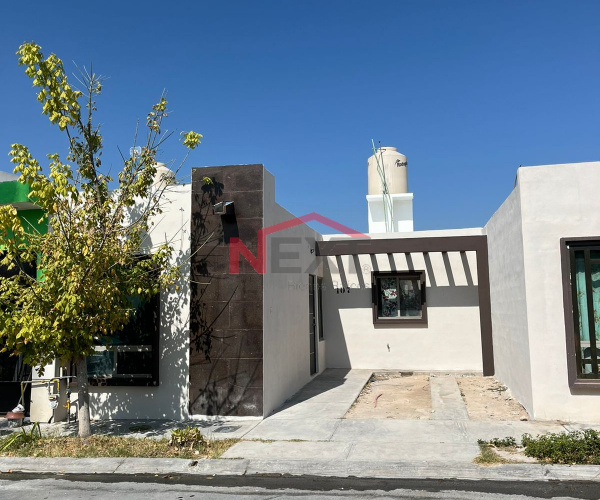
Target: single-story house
x=266 y=303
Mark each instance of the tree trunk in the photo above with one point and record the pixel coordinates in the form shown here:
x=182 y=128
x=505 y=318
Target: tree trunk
x=83 y=399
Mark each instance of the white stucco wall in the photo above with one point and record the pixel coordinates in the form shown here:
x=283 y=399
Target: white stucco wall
x=450 y=341
x=170 y=399
x=556 y=201
x=286 y=360
x=509 y=306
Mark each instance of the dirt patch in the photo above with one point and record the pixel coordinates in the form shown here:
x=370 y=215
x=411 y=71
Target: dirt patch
x=397 y=395
x=488 y=399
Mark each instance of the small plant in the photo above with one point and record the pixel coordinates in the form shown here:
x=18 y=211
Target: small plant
x=507 y=442
x=20 y=439
x=487 y=455
x=577 y=447
x=188 y=437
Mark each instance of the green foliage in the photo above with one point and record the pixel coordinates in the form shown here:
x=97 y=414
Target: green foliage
x=89 y=258
x=21 y=439
x=577 y=447
x=507 y=442
x=188 y=437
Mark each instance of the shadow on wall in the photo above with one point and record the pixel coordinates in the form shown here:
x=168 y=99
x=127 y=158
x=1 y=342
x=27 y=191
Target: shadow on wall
x=221 y=379
x=168 y=400
x=349 y=287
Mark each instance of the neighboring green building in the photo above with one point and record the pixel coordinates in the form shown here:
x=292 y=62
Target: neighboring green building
x=12 y=369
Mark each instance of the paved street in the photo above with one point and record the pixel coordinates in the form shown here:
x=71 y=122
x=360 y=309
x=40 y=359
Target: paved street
x=275 y=488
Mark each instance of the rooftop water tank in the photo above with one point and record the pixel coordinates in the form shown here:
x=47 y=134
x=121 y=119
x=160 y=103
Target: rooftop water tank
x=163 y=174
x=395 y=167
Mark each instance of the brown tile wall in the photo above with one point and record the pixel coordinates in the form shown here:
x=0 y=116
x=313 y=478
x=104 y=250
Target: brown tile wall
x=226 y=323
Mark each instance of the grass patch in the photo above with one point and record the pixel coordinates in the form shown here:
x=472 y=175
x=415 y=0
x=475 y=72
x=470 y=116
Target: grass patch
x=577 y=447
x=114 y=447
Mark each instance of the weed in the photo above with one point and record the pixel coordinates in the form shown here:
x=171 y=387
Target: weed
x=487 y=455
x=507 y=442
x=20 y=439
x=188 y=437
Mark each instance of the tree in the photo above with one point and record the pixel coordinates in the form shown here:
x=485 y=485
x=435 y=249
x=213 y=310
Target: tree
x=89 y=260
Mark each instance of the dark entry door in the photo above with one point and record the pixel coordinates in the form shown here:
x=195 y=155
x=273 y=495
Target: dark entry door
x=312 y=324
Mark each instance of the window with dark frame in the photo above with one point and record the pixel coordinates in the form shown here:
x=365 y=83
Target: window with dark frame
x=399 y=298
x=584 y=277
x=131 y=356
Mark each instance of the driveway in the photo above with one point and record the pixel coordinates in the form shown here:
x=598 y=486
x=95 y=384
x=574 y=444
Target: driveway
x=311 y=426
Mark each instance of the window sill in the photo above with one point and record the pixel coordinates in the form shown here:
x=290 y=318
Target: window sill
x=400 y=323
x=124 y=382
x=586 y=384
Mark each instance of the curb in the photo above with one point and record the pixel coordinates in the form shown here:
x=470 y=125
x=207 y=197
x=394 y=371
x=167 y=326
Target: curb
x=341 y=469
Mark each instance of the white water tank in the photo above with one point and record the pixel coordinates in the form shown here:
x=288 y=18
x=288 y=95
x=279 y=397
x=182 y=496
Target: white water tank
x=163 y=174
x=395 y=167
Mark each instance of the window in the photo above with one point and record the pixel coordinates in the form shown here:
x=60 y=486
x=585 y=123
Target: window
x=583 y=326
x=399 y=298
x=130 y=357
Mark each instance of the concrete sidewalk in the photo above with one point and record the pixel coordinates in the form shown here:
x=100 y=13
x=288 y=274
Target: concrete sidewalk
x=140 y=467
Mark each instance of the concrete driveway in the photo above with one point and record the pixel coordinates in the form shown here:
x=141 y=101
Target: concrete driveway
x=311 y=426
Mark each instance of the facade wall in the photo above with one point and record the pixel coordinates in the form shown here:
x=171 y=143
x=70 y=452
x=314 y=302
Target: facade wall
x=556 y=201
x=285 y=288
x=509 y=305
x=226 y=322
x=169 y=399
x=451 y=340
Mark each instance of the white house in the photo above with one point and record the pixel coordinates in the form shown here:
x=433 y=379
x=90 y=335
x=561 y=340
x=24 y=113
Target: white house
x=269 y=303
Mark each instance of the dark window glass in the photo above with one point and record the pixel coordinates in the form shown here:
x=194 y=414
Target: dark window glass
x=585 y=283
x=399 y=297
x=130 y=357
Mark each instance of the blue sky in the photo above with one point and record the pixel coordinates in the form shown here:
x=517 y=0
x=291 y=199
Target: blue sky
x=468 y=90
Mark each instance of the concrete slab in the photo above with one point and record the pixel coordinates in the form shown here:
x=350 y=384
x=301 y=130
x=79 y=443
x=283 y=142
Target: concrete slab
x=287 y=429
x=410 y=431
x=219 y=467
x=333 y=468
x=61 y=465
x=416 y=469
x=308 y=409
x=153 y=466
x=405 y=451
x=328 y=396
x=321 y=396
x=289 y=450
x=446 y=401
x=487 y=430
x=234 y=429
x=580 y=427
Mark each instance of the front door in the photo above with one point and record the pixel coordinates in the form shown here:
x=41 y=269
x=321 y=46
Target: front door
x=312 y=324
